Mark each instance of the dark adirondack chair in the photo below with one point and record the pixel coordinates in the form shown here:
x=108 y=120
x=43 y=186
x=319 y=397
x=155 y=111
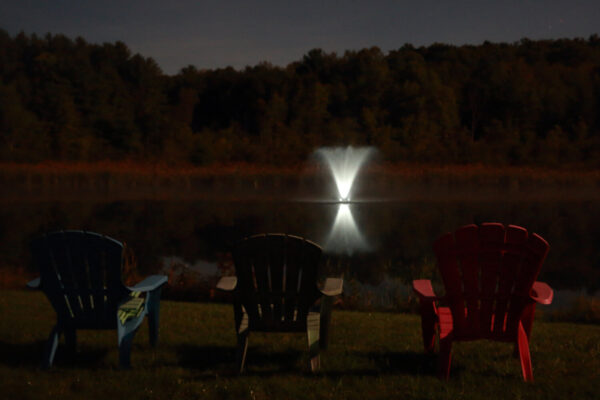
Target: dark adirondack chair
x=489 y=273
x=276 y=291
x=80 y=273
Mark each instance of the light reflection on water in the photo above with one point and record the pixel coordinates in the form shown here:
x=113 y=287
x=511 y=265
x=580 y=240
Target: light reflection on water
x=344 y=236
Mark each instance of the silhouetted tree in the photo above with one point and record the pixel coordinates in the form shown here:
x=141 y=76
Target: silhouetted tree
x=522 y=103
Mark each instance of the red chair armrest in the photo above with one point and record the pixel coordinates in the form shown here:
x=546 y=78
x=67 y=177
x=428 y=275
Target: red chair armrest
x=542 y=293
x=424 y=290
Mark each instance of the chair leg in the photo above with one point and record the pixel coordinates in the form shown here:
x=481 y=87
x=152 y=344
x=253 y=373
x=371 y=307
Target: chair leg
x=242 y=348
x=313 y=330
x=527 y=322
x=153 y=306
x=525 y=357
x=125 y=349
x=527 y=319
x=71 y=340
x=445 y=358
x=428 y=325
x=50 y=349
x=243 y=330
x=325 y=321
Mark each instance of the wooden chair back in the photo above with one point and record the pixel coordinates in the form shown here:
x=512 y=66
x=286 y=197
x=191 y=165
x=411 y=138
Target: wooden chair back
x=277 y=281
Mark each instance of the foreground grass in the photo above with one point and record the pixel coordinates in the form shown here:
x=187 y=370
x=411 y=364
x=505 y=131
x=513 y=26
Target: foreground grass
x=371 y=355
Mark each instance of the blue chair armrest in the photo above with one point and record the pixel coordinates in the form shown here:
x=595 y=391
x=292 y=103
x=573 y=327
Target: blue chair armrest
x=35 y=284
x=150 y=283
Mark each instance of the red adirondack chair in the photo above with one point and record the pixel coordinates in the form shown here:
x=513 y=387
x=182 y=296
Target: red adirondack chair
x=489 y=274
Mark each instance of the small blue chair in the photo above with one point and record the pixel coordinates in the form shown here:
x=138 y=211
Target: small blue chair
x=80 y=273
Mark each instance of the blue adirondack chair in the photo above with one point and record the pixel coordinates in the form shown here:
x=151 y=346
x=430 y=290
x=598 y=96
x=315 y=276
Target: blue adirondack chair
x=80 y=273
x=275 y=290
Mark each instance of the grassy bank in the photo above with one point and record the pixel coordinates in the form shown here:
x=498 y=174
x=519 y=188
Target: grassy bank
x=372 y=355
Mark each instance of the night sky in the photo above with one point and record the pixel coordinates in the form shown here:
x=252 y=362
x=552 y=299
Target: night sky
x=214 y=34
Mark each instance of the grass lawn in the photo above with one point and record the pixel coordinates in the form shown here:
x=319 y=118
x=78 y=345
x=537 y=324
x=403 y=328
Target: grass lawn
x=371 y=355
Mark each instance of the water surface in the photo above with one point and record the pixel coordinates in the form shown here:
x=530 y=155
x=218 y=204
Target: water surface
x=378 y=247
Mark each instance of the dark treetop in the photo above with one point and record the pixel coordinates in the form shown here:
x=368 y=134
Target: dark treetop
x=529 y=102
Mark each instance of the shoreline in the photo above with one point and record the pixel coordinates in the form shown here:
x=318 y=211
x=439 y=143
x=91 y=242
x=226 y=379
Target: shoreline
x=127 y=180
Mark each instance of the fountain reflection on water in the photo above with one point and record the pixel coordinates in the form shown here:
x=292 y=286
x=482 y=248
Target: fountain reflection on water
x=344 y=236
x=344 y=164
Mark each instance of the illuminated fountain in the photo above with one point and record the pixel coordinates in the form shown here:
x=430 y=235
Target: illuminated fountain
x=344 y=164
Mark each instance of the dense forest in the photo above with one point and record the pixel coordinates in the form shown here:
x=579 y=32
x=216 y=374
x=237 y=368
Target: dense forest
x=530 y=102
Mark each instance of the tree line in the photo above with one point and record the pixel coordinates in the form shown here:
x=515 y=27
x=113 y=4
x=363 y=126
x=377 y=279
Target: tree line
x=524 y=103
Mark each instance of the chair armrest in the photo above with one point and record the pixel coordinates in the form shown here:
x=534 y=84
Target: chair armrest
x=150 y=283
x=424 y=290
x=35 y=284
x=542 y=293
x=227 y=283
x=333 y=286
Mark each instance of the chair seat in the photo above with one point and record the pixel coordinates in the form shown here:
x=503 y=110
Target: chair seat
x=447 y=327
x=132 y=308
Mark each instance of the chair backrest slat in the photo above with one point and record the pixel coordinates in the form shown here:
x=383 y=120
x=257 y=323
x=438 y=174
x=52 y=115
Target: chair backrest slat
x=488 y=272
x=277 y=257
x=94 y=262
x=75 y=243
x=292 y=268
x=260 y=271
x=515 y=240
x=490 y=255
x=444 y=248
x=276 y=280
x=467 y=247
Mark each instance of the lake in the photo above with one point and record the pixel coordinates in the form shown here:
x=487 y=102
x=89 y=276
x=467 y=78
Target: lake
x=378 y=246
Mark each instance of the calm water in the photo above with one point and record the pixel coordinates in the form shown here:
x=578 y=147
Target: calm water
x=379 y=247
